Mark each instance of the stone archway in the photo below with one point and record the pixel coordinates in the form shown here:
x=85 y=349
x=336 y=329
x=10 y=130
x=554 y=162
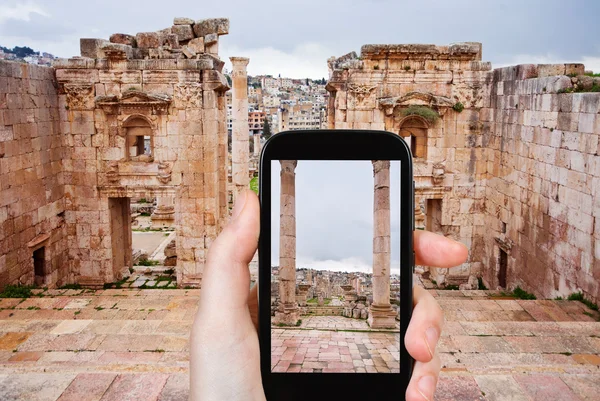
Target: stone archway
x=413 y=129
x=139 y=143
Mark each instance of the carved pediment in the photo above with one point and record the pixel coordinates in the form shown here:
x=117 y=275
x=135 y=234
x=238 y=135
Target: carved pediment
x=417 y=98
x=157 y=102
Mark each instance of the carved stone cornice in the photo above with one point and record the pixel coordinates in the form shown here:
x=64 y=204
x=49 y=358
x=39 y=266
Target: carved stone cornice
x=134 y=100
x=440 y=103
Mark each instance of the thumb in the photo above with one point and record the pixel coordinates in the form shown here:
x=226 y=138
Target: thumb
x=226 y=279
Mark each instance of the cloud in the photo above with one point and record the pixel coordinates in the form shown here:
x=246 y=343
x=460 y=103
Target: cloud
x=306 y=60
x=21 y=11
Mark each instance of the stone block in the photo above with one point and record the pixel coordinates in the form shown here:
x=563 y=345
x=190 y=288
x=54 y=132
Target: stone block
x=183 y=32
x=183 y=21
x=220 y=26
x=79 y=76
x=123 y=38
x=210 y=39
x=549 y=70
x=91 y=47
x=577 y=69
x=196 y=45
x=114 y=48
x=147 y=40
x=527 y=71
x=189 y=53
x=173 y=41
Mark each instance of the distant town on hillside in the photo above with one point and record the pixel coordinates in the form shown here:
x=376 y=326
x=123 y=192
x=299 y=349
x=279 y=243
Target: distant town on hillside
x=26 y=54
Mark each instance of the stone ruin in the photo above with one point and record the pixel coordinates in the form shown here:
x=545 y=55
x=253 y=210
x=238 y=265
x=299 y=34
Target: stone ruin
x=136 y=116
x=505 y=160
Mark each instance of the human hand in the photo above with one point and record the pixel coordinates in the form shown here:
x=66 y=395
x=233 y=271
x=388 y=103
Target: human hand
x=225 y=358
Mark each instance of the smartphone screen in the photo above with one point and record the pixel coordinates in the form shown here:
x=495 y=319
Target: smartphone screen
x=335 y=266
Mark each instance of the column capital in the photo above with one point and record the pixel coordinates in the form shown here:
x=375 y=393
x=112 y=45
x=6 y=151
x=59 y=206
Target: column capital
x=379 y=165
x=288 y=166
x=239 y=62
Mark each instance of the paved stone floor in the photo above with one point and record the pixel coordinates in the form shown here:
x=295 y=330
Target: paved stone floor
x=127 y=344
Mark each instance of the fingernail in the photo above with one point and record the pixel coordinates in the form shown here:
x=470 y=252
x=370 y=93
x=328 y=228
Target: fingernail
x=239 y=205
x=426 y=386
x=431 y=337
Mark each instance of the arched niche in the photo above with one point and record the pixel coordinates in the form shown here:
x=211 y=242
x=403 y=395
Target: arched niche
x=139 y=141
x=413 y=129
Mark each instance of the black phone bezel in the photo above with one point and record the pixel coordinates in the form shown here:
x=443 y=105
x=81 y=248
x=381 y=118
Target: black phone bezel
x=335 y=145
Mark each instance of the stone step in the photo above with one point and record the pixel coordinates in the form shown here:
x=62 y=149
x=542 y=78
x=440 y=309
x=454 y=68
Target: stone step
x=134 y=343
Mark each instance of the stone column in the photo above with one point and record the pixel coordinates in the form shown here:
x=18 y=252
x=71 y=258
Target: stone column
x=381 y=314
x=239 y=135
x=256 y=144
x=288 y=313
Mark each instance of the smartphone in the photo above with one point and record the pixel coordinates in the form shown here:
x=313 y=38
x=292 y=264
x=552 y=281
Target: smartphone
x=336 y=263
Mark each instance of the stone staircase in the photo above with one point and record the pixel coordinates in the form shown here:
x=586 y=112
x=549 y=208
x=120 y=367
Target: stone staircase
x=120 y=344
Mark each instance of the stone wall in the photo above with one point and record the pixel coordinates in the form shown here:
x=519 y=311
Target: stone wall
x=32 y=150
x=542 y=201
x=134 y=117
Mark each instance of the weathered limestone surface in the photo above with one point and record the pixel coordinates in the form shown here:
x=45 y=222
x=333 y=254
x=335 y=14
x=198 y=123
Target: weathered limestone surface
x=32 y=190
x=78 y=141
x=511 y=173
x=287 y=313
x=239 y=136
x=381 y=314
x=376 y=92
x=543 y=178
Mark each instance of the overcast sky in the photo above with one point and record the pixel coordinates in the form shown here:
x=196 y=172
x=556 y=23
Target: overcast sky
x=295 y=38
x=334 y=215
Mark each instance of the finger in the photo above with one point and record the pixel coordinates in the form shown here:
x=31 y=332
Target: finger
x=425 y=326
x=253 y=305
x=438 y=251
x=226 y=278
x=424 y=380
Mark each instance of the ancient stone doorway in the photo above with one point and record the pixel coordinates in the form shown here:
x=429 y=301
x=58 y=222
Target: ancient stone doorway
x=503 y=261
x=433 y=215
x=414 y=132
x=120 y=227
x=39 y=266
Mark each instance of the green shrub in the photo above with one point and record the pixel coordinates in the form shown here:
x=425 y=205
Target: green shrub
x=422 y=111
x=146 y=262
x=578 y=296
x=480 y=285
x=254 y=185
x=16 y=291
x=522 y=294
x=70 y=287
x=458 y=107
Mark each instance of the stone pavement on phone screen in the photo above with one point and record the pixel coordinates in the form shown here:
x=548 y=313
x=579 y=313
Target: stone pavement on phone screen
x=133 y=344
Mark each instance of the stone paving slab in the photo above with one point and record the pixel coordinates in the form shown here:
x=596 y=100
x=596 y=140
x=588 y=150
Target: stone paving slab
x=125 y=344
